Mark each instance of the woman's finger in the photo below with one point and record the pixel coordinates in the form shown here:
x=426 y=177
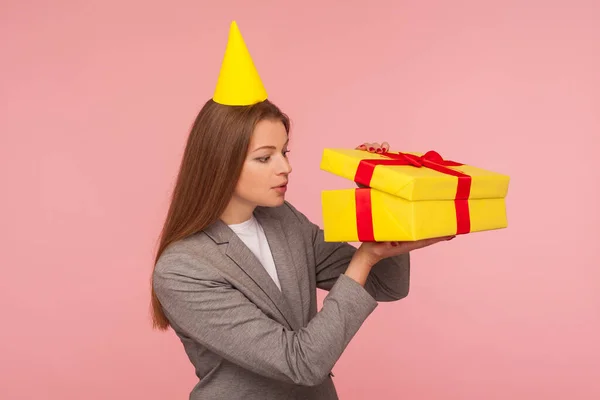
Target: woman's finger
x=428 y=242
x=419 y=244
x=374 y=147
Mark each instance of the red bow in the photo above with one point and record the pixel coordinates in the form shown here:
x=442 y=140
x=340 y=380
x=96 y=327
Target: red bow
x=431 y=160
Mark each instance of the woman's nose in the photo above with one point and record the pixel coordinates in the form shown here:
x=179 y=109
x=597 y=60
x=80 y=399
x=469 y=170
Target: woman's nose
x=284 y=166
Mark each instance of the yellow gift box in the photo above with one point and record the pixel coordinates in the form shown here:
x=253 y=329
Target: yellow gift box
x=409 y=196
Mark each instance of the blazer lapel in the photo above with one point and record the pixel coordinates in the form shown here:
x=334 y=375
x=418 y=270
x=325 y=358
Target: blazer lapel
x=247 y=263
x=286 y=270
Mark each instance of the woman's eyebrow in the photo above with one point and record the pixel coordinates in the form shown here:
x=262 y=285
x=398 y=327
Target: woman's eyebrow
x=270 y=147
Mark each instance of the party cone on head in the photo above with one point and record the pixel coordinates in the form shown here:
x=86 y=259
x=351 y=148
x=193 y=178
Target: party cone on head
x=239 y=83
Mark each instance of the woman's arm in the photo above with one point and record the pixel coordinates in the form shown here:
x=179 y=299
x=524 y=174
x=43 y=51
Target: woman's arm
x=202 y=305
x=388 y=279
x=389 y=275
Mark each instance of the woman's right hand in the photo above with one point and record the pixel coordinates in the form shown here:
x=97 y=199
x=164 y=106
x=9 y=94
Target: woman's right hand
x=377 y=251
x=370 y=253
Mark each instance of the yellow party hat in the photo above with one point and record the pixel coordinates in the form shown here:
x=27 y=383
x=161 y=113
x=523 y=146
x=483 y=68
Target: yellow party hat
x=239 y=83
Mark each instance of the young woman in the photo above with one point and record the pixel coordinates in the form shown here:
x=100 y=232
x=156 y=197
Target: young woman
x=238 y=266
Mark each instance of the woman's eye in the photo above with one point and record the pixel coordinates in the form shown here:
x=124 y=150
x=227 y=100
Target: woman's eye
x=267 y=158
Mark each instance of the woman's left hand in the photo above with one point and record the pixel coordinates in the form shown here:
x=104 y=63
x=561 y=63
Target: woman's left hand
x=376 y=251
x=374 y=147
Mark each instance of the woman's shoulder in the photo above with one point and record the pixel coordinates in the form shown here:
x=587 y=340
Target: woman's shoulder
x=188 y=256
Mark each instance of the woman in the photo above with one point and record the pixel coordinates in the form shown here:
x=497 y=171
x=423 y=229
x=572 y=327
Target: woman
x=238 y=266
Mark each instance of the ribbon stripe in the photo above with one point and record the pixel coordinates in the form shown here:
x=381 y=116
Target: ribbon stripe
x=364 y=218
x=431 y=160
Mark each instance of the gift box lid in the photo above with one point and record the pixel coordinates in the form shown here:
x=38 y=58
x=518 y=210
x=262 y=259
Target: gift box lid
x=419 y=177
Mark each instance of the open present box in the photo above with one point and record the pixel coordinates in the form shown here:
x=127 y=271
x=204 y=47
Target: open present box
x=409 y=196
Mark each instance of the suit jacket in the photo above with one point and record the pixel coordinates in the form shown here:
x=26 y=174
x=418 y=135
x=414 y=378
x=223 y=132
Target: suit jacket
x=246 y=338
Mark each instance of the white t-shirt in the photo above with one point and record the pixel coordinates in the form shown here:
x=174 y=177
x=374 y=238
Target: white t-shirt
x=252 y=234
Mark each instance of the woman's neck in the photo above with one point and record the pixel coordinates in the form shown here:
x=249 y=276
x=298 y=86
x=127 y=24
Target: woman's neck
x=237 y=212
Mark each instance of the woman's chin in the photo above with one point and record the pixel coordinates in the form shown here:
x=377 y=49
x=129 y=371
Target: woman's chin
x=273 y=202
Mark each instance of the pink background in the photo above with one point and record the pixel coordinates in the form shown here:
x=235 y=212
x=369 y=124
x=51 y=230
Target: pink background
x=96 y=102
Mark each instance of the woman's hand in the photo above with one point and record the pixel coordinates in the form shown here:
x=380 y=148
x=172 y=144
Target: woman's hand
x=370 y=253
x=374 y=147
x=374 y=252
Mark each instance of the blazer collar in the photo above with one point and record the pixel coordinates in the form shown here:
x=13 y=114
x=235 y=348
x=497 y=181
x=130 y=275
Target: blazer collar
x=288 y=301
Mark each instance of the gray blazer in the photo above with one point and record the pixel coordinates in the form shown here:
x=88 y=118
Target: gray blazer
x=246 y=338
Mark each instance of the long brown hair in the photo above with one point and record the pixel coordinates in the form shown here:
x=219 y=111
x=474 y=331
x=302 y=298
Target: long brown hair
x=212 y=163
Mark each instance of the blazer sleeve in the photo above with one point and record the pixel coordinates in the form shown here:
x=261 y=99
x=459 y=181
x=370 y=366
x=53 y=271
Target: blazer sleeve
x=389 y=279
x=204 y=306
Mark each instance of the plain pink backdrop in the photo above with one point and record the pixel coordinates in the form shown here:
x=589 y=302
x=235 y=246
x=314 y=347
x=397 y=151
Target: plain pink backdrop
x=96 y=99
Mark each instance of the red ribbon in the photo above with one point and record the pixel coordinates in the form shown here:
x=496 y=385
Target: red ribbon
x=432 y=160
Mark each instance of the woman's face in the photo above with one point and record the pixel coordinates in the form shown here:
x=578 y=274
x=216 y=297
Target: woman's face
x=264 y=177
